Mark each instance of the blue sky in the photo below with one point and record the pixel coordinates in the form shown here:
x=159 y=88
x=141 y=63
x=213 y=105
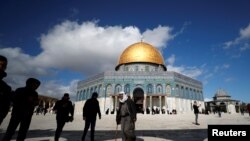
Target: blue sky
x=64 y=41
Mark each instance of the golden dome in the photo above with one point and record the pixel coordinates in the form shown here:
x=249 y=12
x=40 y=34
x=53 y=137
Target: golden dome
x=141 y=52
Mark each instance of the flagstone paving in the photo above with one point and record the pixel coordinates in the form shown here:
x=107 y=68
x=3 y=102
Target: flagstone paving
x=178 y=127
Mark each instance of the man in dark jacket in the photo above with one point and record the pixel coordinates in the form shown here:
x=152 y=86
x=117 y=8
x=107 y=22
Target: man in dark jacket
x=90 y=110
x=248 y=108
x=5 y=90
x=196 y=112
x=24 y=101
x=63 y=108
x=126 y=116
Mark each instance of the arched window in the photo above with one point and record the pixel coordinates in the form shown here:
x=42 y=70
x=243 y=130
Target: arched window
x=195 y=95
x=150 y=89
x=84 y=95
x=87 y=94
x=127 y=89
x=191 y=93
x=159 y=89
x=78 y=96
x=126 y=68
x=187 y=93
x=91 y=91
x=95 y=89
x=118 y=88
x=168 y=90
x=177 y=91
x=136 y=68
x=109 y=90
x=99 y=90
x=182 y=91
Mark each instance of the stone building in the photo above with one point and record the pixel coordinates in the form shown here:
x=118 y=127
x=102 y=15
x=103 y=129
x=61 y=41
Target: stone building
x=223 y=100
x=142 y=74
x=46 y=101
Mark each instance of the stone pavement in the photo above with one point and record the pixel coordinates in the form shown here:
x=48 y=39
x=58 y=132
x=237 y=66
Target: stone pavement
x=178 y=127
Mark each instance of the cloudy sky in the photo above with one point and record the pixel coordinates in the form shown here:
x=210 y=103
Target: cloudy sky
x=62 y=41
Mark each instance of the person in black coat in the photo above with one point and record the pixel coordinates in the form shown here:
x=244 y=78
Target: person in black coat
x=248 y=108
x=126 y=116
x=196 y=112
x=63 y=108
x=5 y=90
x=90 y=110
x=24 y=101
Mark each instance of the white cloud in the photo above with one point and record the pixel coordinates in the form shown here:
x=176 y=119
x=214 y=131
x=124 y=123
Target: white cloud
x=208 y=99
x=56 y=89
x=171 y=60
x=205 y=82
x=242 y=40
x=228 y=79
x=86 y=48
x=192 y=72
x=209 y=75
x=218 y=68
x=246 y=46
x=20 y=63
x=182 y=29
x=90 y=48
x=226 y=66
x=21 y=66
x=245 y=32
x=158 y=36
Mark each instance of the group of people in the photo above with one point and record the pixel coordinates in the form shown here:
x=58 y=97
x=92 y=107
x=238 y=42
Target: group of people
x=5 y=90
x=126 y=116
x=24 y=100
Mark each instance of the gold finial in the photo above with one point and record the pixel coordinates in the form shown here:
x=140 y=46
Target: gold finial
x=141 y=38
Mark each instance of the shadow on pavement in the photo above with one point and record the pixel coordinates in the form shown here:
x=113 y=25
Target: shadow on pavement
x=106 y=135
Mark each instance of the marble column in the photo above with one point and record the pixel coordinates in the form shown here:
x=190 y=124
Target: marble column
x=145 y=103
x=115 y=104
x=110 y=104
x=150 y=104
x=160 y=105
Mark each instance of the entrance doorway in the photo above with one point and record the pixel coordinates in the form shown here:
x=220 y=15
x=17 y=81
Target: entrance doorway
x=138 y=96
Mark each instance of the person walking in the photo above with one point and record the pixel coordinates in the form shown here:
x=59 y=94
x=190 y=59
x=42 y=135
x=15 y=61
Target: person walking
x=24 y=101
x=5 y=90
x=63 y=108
x=90 y=110
x=219 y=110
x=196 y=112
x=126 y=116
x=248 y=108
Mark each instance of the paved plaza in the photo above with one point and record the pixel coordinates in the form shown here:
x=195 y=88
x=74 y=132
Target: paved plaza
x=178 y=127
